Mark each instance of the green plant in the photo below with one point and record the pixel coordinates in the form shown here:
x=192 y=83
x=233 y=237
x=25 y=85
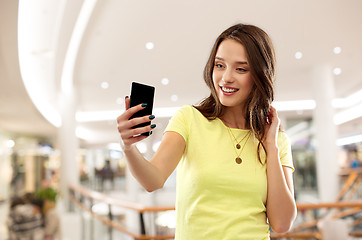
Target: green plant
x=47 y=193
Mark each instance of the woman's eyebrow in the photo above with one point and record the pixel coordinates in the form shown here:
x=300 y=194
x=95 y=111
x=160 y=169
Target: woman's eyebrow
x=238 y=62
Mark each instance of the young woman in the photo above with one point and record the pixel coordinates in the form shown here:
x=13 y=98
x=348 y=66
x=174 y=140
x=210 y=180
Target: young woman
x=234 y=174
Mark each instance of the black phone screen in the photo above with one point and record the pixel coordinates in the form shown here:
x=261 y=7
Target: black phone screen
x=141 y=93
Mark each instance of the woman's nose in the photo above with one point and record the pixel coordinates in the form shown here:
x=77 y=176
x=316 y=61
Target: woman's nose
x=227 y=76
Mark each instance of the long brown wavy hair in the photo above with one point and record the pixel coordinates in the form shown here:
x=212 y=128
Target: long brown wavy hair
x=261 y=60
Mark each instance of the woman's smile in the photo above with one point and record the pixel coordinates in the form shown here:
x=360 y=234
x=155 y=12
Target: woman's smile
x=228 y=91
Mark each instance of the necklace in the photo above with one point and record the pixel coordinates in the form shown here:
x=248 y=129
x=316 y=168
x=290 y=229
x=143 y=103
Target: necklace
x=238 y=160
x=237 y=143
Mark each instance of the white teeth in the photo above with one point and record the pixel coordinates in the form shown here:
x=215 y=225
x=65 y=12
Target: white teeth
x=229 y=90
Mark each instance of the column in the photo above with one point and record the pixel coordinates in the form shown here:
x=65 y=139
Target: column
x=69 y=144
x=325 y=134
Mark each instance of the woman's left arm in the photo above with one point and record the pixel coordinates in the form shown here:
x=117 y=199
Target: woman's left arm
x=281 y=207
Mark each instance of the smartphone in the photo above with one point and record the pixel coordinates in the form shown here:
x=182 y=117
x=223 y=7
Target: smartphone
x=142 y=93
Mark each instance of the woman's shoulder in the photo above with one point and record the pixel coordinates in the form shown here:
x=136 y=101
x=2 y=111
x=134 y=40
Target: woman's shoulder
x=189 y=115
x=188 y=110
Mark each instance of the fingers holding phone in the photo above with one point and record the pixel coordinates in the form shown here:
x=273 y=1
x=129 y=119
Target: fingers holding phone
x=131 y=130
x=144 y=95
x=135 y=123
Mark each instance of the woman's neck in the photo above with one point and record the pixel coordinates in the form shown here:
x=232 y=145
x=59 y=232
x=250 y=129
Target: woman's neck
x=234 y=118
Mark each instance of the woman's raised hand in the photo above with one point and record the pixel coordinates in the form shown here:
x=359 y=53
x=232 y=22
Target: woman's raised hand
x=128 y=134
x=272 y=128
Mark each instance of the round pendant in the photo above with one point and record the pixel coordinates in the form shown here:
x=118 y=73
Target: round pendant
x=238 y=146
x=238 y=160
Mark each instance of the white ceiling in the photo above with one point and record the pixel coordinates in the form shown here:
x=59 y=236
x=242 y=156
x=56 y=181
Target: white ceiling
x=17 y=113
x=113 y=50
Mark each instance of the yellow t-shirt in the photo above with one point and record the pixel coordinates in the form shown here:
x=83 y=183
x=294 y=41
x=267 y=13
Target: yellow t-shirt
x=218 y=199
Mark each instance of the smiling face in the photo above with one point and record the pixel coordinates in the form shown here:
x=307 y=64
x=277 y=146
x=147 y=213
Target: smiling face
x=231 y=74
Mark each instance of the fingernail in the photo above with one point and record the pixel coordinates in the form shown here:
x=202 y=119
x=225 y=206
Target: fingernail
x=126 y=97
x=153 y=125
x=151 y=133
x=151 y=117
x=144 y=105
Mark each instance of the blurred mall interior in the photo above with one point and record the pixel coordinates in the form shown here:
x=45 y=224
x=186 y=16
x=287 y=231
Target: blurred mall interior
x=66 y=66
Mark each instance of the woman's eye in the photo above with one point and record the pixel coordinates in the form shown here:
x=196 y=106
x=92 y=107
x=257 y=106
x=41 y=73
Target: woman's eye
x=218 y=65
x=241 y=70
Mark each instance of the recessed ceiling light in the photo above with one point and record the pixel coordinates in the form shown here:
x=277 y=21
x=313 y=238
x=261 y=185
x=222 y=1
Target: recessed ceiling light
x=298 y=55
x=165 y=81
x=105 y=85
x=10 y=143
x=337 y=71
x=337 y=50
x=150 y=45
x=174 y=98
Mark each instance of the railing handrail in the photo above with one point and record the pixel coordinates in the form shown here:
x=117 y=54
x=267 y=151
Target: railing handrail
x=348 y=171
x=303 y=206
x=118 y=202
x=142 y=209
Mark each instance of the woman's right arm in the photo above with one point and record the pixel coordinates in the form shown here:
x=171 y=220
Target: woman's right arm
x=150 y=174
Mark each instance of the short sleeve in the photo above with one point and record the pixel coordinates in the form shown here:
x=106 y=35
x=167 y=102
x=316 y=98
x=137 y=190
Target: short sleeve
x=285 y=150
x=178 y=123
